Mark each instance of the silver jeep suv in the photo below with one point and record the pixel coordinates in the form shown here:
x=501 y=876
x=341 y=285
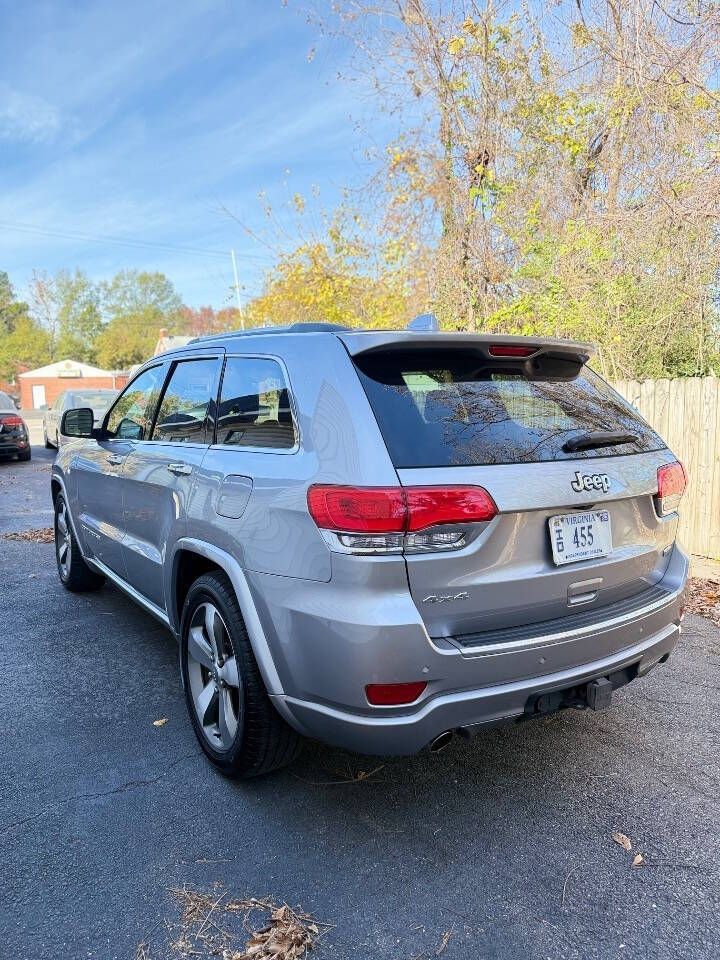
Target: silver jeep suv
x=378 y=539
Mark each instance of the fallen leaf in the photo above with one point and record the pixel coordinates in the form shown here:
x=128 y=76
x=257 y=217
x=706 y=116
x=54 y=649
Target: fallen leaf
x=445 y=940
x=622 y=840
x=37 y=535
x=161 y=722
x=638 y=860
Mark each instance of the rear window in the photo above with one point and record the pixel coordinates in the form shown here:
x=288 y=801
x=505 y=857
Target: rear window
x=448 y=408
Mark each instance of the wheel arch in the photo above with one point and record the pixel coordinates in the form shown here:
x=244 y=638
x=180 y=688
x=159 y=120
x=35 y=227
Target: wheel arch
x=192 y=558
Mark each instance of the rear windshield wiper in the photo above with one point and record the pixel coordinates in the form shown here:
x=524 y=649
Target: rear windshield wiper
x=597 y=438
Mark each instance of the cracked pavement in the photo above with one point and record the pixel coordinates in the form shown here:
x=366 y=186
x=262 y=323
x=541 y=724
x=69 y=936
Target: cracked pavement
x=101 y=812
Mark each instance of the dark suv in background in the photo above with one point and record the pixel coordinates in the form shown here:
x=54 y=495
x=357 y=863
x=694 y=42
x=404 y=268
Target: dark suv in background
x=378 y=539
x=14 y=435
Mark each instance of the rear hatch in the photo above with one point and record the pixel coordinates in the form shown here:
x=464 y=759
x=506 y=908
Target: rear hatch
x=572 y=468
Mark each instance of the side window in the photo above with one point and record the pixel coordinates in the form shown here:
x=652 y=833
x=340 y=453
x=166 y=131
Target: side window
x=254 y=406
x=131 y=416
x=184 y=406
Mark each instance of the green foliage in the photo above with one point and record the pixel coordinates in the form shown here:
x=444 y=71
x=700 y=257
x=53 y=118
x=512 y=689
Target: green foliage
x=137 y=305
x=78 y=316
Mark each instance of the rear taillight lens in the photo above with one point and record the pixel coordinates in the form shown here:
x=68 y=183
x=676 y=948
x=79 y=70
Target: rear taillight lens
x=396 y=509
x=384 y=519
x=430 y=506
x=358 y=509
x=394 y=694
x=10 y=421
x=672 y=480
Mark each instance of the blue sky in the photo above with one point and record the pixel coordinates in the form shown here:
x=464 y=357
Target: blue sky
x=141 y=119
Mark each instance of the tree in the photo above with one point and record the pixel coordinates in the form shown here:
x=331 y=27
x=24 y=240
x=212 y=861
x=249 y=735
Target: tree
x=11 y=309
x=67 y=305
x=137 y=305
x=337 y=274
x=563 y=170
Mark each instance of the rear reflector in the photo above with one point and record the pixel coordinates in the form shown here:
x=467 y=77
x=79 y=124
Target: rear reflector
x=397 y=509
x=393 y=694
x=672 y=481
x=511 y=350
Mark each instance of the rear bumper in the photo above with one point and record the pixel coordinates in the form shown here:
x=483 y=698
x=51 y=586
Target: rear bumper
x=410 y=732
x=9 y=446
x=491 y=686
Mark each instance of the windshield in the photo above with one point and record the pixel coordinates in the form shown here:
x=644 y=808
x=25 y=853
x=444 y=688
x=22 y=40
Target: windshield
x=452 y=408
x=5 y=402
x=98 y=401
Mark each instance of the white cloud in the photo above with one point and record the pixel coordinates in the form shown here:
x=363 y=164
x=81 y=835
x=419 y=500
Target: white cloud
x=27 y=118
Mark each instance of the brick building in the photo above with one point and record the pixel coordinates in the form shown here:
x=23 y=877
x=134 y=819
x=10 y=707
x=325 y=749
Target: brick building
x=41 y=387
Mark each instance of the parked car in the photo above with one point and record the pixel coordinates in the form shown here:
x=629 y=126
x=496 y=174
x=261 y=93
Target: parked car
x=378 y=539
x=98 y=400
x=14 y=435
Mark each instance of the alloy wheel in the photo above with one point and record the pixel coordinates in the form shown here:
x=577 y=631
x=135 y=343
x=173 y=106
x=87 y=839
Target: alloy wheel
x=63 y=545
x=213 y=677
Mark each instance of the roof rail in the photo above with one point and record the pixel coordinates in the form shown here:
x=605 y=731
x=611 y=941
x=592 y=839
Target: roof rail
x=306 y=327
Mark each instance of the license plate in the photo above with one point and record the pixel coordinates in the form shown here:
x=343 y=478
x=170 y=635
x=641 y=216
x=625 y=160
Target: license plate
x=580 y=536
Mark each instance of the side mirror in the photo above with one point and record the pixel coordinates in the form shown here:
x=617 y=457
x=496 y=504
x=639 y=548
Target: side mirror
x=77 y=423
x=43 y=406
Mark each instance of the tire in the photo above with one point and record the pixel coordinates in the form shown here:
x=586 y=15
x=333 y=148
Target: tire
x=75 y=574
x=243 y=735
x=48 y=445
x=25 y=454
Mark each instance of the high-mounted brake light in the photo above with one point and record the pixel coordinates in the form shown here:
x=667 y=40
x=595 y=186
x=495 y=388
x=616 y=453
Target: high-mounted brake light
x=672 y=480
x=381 y=510
x=510 y=350
x=394 y=694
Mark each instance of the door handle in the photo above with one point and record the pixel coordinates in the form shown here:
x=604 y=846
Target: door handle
x=114 y=459
x=180 y=468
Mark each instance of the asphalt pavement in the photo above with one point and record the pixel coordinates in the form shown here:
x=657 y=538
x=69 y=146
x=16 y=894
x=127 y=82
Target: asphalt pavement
x=497 y=848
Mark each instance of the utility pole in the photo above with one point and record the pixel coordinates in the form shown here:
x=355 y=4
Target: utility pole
x=237 y=291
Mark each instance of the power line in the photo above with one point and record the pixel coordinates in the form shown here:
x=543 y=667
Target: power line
x=124 y=242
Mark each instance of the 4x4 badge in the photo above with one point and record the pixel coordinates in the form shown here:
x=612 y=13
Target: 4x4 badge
x=433 y=598
x=590 y=481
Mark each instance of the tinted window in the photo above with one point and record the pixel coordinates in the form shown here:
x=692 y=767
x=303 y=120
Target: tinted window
x=184 y=406
x=5 y=402
x=131 y=417
x=255 y=405
x=450 y=408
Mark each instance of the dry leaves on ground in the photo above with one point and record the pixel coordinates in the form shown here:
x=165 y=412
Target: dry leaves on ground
x=161 y=722
x=272 y=931
x=622 y=840
x=702 y=597
x=37 y=535
x=638 y=861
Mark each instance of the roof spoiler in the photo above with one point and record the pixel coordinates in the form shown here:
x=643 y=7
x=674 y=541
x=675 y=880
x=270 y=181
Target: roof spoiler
x=492 y=346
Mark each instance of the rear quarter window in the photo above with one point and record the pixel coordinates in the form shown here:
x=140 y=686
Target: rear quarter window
x=453 y=408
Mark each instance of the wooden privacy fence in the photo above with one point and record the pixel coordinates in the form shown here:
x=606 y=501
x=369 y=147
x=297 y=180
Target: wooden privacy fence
x=686 y=414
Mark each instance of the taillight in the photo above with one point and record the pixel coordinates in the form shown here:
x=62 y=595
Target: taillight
x=672 y=480
x=11 y=420
x=358 y=509
x=394 y=694
x=430 y=506
x=383 y=519
x=510 y=350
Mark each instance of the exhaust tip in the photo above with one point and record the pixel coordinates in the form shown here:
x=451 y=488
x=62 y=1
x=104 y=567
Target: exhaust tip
x=441 y=741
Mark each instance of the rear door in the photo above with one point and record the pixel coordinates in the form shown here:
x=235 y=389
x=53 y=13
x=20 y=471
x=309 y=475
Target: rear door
x=457 y=416
x=159 y=473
